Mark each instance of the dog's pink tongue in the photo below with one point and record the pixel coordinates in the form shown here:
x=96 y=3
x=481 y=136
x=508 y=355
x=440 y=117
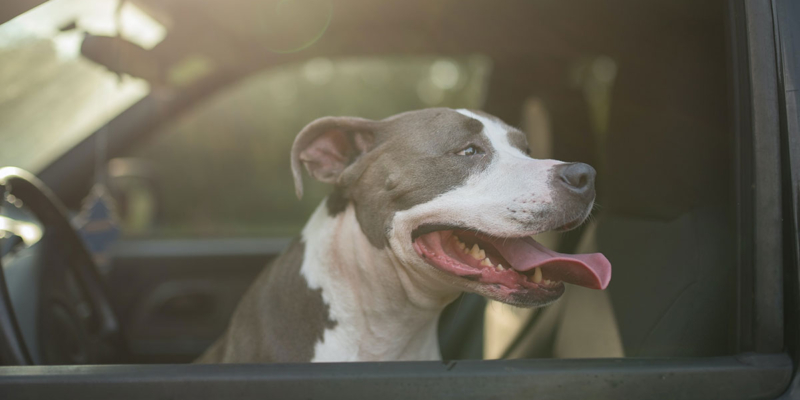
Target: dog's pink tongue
x=588 y=270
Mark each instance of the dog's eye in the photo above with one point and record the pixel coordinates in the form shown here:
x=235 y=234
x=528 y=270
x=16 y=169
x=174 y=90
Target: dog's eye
x=470 y=150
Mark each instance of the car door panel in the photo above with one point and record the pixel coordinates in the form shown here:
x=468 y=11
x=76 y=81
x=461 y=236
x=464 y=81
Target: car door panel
x=174 y=297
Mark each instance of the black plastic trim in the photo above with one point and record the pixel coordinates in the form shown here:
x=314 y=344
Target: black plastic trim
x=747 y=376
x=758 y=150
x=743 y=162
x=787 y=33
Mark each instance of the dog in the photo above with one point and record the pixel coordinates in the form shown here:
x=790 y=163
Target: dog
x=426 y=205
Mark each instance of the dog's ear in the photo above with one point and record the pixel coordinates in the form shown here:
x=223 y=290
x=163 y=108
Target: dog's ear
x=328 y=145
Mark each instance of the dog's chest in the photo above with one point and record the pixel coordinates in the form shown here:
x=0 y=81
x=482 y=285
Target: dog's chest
x=373 y=318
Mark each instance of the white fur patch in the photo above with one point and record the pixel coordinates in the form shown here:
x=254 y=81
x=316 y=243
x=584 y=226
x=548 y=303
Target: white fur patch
x=318 y=235
x=367 y=295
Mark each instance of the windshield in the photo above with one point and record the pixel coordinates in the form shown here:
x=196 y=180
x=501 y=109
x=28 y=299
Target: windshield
x=53 y=97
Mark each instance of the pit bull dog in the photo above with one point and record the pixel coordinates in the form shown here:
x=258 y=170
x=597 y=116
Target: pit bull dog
x=426 y=204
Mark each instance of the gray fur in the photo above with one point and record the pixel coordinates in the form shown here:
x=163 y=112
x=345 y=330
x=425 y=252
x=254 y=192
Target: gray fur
x=279 y=319
x=411 y=160
x=519 y=140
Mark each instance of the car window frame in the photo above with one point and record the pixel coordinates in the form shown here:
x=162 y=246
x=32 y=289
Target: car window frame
x=761 y=370
x=758 y=177
x=787 y=34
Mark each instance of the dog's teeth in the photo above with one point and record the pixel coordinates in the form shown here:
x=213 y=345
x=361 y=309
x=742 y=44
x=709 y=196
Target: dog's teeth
x=546 y=281
x=481 y=254
x=460 y=244
x=537 y=275
x=500 y=267
x=474 y=252
x=486 y=262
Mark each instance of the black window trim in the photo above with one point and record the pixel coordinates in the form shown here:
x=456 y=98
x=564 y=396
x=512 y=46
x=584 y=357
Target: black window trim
x=758 y=170
x=742 y=377
x=787 y=34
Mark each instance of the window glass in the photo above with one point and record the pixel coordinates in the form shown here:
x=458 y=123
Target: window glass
x=222 y=169
x=51 y=97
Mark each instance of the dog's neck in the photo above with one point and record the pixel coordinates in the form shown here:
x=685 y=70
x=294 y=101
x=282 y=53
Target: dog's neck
x=383 y=309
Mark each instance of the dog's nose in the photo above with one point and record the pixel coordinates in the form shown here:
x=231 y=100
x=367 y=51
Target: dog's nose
x=577 y=177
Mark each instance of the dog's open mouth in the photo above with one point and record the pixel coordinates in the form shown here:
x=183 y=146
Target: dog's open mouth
x=515 y=264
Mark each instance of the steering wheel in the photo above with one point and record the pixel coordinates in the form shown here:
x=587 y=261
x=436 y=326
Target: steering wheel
x=74 y=322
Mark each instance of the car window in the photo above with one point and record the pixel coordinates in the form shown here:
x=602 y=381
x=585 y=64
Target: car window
x=663 y=149
x=222 y=168
x=42 y=73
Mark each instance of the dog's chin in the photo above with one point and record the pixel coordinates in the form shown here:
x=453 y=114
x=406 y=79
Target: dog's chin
x=512 y=269
x=526 y=297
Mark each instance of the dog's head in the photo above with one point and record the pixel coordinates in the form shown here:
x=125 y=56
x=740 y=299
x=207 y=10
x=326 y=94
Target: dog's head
x=454 y=194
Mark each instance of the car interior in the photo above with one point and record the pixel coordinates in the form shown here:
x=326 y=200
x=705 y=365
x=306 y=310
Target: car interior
x=179 y=162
